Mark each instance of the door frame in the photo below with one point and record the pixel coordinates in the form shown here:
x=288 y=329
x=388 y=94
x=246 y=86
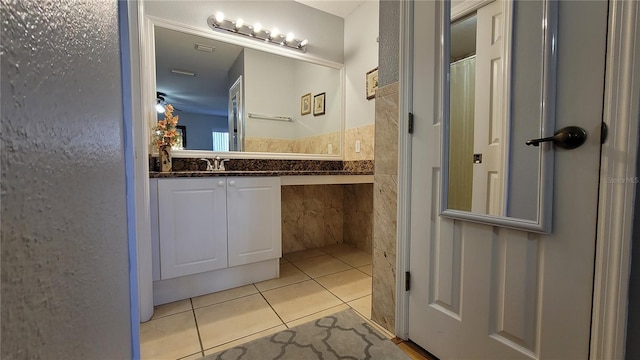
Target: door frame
x=617 y=175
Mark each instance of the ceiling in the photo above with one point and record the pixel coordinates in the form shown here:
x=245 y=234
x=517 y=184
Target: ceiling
x=463 y=38
x=337 y=8
x=207 y=91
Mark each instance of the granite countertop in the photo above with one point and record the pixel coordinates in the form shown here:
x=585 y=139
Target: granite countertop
x=244 y=167
x=180 y=174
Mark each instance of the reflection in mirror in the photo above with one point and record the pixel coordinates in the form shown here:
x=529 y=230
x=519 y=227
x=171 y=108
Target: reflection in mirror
x=478 y=124
x=501 y=79
x=235 y=138
x=232 y=98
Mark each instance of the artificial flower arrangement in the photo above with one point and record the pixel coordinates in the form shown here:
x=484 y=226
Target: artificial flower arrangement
x=165 y=132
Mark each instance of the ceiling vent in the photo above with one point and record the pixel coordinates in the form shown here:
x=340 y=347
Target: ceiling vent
x=205 y=48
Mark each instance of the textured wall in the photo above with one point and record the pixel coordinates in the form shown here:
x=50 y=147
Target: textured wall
x=65 y=285
x=389 y=55
x=360 y=56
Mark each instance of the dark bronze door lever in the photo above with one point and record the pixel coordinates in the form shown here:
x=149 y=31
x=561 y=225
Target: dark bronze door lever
x=569 y=137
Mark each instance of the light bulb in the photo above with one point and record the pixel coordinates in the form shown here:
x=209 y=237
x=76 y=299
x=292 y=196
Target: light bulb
x=257 y=28
x=219 y=17
x=239 y=23
x=304 y=43
x=275 y=32
x=289 y=37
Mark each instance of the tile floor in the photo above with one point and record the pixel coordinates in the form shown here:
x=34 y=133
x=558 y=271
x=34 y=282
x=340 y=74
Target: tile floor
x=313 y=283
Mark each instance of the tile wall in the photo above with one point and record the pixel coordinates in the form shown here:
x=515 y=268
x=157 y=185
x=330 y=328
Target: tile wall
x=358 y=216
x=365 y=134
x=318 y=144
x=320 y=215
x=385 y=206
x=308 y=145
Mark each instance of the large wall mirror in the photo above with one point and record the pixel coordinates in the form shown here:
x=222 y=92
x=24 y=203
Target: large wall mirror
x=500 y=62
x=236 y=97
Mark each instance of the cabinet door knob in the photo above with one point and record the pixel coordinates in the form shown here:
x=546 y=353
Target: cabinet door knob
x=232 y=183
x=220 y=183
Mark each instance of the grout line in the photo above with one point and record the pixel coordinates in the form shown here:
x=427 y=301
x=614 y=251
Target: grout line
x=338 y=272
x=305 y=258
x=344 y=302
x=193 y=311
x=322 y=286
x=281 y=286
x=201 y=353
x=274 y=310
x=361 y=266
x=361 y=297
x=164 y=316
x=317 y=312
x=222 y=302
x=309 y=275
x=246 y=336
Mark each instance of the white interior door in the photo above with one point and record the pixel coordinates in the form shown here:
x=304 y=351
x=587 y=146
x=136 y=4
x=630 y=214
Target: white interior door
x=488 y=129
x=486 y=292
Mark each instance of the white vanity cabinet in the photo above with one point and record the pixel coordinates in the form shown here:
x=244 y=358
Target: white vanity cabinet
x=253 y=219
x=214 y=233
x=192 y=226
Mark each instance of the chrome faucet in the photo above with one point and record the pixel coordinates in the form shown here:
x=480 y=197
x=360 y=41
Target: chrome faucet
x=217 y=165
x=210 y=167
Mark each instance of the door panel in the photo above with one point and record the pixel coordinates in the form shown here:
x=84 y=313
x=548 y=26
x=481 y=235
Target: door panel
x=254 y=219
x=486 y=292
x=488 y=176
x=193 y=226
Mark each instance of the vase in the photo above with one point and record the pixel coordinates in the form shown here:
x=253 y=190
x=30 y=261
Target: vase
x=165 y=158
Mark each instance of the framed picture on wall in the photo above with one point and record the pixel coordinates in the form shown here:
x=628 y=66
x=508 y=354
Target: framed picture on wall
x=305 y=104
x=372 y=83
x=318 y=104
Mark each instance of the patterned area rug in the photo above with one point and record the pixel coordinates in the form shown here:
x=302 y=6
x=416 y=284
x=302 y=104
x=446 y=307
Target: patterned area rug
x=343 y=335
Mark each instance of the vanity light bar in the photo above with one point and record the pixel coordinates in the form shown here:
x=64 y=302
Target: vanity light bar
x=218 y=22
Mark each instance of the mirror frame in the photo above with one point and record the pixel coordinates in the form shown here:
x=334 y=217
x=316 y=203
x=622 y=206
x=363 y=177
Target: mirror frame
x=547 y=108
x=148 y=87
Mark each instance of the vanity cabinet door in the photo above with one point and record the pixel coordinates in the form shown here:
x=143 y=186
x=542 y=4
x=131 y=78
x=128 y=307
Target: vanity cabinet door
x=192 y=217
x=254 y=219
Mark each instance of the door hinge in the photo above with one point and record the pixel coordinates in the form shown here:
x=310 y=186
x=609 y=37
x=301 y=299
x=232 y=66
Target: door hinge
x=407 y=281
x=604 y=133
x=410 y=123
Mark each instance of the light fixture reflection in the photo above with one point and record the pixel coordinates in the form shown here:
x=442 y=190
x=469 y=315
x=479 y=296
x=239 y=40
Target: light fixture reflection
x=159 y=106
x=160 y=102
